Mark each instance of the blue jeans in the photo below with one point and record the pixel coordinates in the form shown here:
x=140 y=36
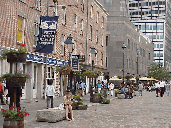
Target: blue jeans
x=140 y=92
x=167 y=92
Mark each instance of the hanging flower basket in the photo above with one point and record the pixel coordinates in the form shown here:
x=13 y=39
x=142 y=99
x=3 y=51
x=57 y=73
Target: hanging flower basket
x=21 y=57
x=64 y=70
x=15 y=81
x=91 y=74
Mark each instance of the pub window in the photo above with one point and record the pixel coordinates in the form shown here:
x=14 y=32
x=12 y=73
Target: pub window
x=91 y=31
x=75 y=22
x=102 y=21
x=36 y=33
x=63 y=15
x=96 y=36
x=62 y=44
x=81 y=27
x=37 y=4
x=82 y=5
x=97 y=17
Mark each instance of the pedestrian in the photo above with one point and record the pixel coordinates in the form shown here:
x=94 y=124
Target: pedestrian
x=157 y=88
x=123 y=91
x=2 y=92
x=99 y=86
x=167 y=88
x=50 y=91
x=111 y=87
x=80 y=88
x=18 y=96
x=162 y=88
x=68 y=105
x=130 y=91
x=140 y=88
x=84 y=88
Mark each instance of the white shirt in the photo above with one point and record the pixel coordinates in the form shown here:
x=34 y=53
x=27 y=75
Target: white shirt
x=50 y=90
x=111 y=86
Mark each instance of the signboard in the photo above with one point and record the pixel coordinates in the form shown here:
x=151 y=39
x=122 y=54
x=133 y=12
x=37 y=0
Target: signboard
x=75 y=63
x=41 y=59
x=81 y=58
x=47 y=32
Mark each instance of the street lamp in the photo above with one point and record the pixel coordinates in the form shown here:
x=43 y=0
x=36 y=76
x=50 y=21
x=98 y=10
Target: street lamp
x=137 y=65
x=93 y=52
x=123 y=47
x=69 y=42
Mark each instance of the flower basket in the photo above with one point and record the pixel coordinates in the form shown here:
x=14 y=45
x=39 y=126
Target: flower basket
x=82 y=107
x=15 y=81
x=96 y=98
x=66 y=72
x=11 y=57
x=21 y=57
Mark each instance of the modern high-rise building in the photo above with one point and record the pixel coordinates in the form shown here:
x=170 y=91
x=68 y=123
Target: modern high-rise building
x=152 y=17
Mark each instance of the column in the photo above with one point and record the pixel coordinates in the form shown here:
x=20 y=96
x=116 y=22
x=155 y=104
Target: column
x=40 y=78
x=29 y=83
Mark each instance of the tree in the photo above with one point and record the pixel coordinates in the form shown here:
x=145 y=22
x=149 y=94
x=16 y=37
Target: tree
x=159 y=73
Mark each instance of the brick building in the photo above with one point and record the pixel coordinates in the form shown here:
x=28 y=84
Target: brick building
x=20 y=24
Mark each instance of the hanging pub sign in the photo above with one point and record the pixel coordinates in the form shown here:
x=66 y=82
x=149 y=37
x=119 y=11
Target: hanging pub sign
x=75 y=63
x=47 y=32
x=81 y=58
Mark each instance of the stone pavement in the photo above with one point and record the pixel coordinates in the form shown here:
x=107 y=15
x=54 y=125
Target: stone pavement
x=147 y=111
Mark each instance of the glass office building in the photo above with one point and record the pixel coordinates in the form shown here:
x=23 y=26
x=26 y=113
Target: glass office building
x=152 y=17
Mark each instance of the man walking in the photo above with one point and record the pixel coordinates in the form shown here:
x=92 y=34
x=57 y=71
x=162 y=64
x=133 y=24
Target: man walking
x=167 y=88
x=140 y=88
x=111 y=87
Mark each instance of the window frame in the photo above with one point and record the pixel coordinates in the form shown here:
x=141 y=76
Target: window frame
x=21 y=30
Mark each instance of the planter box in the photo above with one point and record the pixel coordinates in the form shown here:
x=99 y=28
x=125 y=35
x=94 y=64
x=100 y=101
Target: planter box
x=96 y=98
x=74 y=105
x=82 y=107
x=15 y=81
x=12 y=123
x=17 y=57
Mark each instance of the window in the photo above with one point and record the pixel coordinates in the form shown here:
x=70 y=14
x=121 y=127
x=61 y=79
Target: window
x=107 y=39
x=91 y=12
x=97 y=18
x=91 y=32
x=96 y=36
x=128 y=43
x=149 y=56
x=36 y=33
x=102 y=39
x=75 y=22
x=81 y=27
x=63 y=14
x=101 y=59
x=21 y=24
x=50 y=72
x=82 y=5
x=37 y=4
x=62 y=44
x=102 y=21
x=76 y=2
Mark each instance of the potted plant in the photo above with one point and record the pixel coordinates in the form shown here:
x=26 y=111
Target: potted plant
x=91 y=74
x=97 y=97
x=17 y=79
x=82 y=106
x=13 y=55
x=105 y=101
x=117 y=92
x=78 y=98
x=74 y=104
x=64 y=70
x=14 y=116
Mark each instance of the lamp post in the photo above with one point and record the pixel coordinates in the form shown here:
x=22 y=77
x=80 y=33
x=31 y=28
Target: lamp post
x=93 y=52
x=69 y=42
x=137 y=66
x=123 y=47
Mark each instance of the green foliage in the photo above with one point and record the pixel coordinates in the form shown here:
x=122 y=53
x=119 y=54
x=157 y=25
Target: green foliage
x=127 y=77
x=158 y=72
x=15 y=113
x=100 y=94
x=117 y=91
x=80 y=103
x=105 y=101
x=18 y=74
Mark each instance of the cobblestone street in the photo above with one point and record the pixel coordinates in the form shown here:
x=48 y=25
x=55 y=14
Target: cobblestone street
x=140 y=112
